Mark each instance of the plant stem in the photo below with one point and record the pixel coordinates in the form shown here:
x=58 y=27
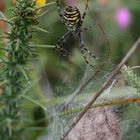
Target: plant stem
x=103 y=104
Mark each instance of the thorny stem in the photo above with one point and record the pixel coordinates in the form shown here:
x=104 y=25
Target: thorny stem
x=16 y=55
x=134 y=48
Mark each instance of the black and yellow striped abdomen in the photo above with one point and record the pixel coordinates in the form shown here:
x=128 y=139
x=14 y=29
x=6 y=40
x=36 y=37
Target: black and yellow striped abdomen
x=72 y=18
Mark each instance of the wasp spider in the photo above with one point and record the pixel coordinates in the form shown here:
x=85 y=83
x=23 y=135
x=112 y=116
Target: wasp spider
x=73 y=20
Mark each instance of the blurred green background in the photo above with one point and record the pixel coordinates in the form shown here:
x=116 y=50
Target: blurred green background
x=60 y=76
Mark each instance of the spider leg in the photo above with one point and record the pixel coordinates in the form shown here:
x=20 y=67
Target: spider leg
x=58 y=9
x=83 y=49
x=91 y=54
x=84 y=14
x=58 y=46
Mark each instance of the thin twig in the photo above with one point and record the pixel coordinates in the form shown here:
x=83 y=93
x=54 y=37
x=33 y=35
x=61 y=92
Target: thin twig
x=103 y=87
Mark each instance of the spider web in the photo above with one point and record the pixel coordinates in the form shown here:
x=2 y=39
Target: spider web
x=74 y=73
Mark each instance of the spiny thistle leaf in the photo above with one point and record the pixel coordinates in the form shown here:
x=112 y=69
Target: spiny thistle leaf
x=131 y=77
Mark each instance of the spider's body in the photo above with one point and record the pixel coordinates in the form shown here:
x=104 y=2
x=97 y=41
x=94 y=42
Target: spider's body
x=73 y=20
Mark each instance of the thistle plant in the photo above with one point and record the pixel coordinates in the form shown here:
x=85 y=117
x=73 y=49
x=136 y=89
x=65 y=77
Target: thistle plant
x=132 y=79
x=14 y=70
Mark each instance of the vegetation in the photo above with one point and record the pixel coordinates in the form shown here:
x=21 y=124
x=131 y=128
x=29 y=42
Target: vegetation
x=41 y=90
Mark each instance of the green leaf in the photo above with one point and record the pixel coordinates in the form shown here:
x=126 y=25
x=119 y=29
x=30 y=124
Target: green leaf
x=3 y=60
x=40 y=29
x=13 y=18
x=42 y=14
x=3 y=16
x=5 y=21
x=9 y=126
x=33 y=101
x=28 y=88
x=4 y=49
x=42 y=46
x=47 y=4
x=24 y=73
x=4 y=121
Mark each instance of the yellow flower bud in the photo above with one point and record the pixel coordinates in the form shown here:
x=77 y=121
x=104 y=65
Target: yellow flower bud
x=40 y=3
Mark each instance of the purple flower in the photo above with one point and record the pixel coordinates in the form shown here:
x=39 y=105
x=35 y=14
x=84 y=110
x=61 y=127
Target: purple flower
x=123 y=17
